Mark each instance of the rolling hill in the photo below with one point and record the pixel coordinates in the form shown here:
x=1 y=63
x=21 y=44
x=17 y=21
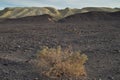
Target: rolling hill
x=92 y=16
x=45 y=18
x=18 y=12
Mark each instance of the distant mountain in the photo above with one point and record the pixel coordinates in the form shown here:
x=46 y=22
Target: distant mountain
x=19 y=12
x=92 y=16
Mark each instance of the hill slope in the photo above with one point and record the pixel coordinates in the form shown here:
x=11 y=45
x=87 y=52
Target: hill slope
x=30 y=19
x=18 y=12
x=92 y=16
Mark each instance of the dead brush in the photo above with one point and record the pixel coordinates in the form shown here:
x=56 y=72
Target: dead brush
x=57 y=62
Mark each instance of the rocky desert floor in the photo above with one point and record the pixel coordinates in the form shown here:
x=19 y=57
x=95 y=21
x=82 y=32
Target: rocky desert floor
x=20 y=42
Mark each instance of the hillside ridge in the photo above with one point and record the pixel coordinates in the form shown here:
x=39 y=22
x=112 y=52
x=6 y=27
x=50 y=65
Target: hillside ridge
x=94 y=16
x=18 y=12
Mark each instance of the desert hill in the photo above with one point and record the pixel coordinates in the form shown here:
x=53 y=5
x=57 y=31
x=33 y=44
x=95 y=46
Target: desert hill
x=30 y=19
x=92 y=16
x=94 y=32
x=18 y=12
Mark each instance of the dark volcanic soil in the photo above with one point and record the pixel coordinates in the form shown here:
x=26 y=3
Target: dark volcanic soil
x=99 y=39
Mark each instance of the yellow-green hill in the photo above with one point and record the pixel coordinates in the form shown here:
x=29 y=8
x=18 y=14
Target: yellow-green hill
x=18 y=12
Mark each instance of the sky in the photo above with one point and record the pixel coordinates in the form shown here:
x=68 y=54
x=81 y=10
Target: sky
x=60 y=3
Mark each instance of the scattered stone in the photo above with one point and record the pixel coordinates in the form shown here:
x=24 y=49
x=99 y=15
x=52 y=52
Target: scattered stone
x=6 y=72
x=116 y=51
x=18 y=46
x=100 y=79
x=5 y=64
x=35 y=79
x=110 y=78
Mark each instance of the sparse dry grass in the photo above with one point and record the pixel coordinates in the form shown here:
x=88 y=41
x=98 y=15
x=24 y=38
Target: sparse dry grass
x=57 y=62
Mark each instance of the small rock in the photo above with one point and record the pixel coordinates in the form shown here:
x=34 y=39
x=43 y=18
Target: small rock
x=35 y=79
x=116 y=51
x=100 y=79
x=18 y=46
x=6 y=72
x=110 y=78
x=5 y=64
x=118 y=72
x=5 y=78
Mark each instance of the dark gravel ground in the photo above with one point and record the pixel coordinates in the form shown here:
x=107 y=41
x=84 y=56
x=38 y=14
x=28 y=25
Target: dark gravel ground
x=99 y=40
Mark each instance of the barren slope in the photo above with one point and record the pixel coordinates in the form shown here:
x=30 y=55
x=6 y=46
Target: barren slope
x=18 y=12
x=98 y=39
x=92 y=16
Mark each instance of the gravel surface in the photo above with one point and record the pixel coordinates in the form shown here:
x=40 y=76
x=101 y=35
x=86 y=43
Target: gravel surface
x=20 y=41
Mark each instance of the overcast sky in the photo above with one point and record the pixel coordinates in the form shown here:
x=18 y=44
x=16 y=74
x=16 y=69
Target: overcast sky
x=59 y=3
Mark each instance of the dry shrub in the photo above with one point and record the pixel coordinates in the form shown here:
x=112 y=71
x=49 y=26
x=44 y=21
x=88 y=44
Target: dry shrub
x=57 y=62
